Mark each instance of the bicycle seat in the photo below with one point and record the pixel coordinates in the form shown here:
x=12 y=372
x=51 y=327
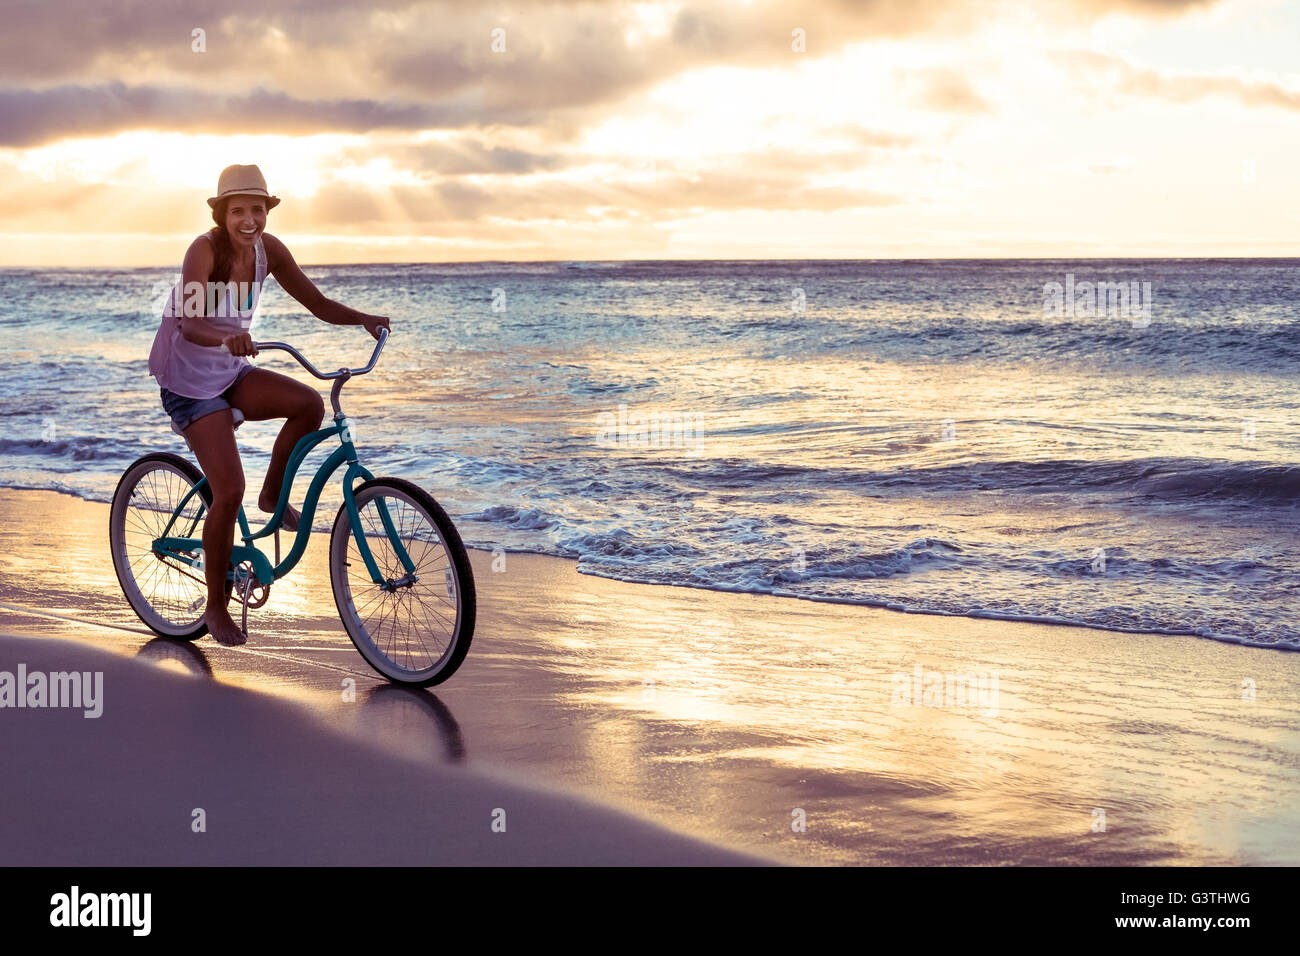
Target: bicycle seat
x=235 y=413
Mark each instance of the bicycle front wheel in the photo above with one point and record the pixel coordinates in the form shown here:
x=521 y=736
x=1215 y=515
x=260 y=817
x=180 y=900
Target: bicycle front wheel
x=415 y=627
x=167 y=594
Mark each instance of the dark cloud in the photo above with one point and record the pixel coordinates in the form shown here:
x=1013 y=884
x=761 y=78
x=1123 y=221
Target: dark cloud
x=581 y=56
x=52 y=40
x=336 y=67
x=464 y=156
x=445 y=43
x=83 y=67
x=32 y=117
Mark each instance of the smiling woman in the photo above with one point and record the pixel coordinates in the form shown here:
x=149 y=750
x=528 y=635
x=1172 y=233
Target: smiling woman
x=241 y=220
x=200 y=358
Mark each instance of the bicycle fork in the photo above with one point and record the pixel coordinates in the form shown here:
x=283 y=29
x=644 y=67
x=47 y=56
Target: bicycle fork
x=358 y=532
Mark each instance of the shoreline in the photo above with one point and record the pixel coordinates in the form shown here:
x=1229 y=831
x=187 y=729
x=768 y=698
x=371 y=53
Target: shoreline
x=721 y=714
x=881 y=605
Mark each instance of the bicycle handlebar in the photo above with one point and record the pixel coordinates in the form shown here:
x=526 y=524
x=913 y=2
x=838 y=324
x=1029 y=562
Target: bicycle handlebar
x=283 y=346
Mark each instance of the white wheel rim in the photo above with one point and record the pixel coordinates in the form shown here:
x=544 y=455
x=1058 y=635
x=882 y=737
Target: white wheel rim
x=410 y=633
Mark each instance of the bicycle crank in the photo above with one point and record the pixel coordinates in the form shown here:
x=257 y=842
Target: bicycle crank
x=252 y=592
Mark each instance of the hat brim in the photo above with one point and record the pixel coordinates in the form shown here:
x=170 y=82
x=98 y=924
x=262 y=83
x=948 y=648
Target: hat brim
x=271 y=201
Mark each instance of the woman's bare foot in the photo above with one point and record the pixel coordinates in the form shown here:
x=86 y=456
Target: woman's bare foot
x=291 y=516
x=223 y=628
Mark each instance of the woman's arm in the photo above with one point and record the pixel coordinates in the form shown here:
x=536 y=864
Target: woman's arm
x=194 y=295
x=281 y=264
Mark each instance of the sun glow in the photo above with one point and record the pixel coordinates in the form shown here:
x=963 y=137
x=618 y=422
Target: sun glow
x=1037 y=130
x=294 y=165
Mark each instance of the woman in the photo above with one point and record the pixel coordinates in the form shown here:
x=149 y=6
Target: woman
x=200 y=382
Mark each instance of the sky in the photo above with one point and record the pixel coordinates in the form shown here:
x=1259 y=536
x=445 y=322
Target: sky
x=397 y=131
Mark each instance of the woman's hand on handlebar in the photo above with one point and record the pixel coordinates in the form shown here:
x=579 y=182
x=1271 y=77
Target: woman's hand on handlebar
x=241 y=344
x=374 y=323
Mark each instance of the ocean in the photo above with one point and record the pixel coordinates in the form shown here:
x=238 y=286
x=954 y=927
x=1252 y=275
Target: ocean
x=989 y=438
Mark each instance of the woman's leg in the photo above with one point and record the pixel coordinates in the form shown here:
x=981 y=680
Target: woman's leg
x=213 y=439
x=262 y=395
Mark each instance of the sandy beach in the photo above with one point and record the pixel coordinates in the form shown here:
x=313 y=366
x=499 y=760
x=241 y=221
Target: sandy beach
x=630 y=723
x=230 y=776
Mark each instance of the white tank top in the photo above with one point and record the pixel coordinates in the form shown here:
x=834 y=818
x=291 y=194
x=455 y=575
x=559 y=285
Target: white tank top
x=203 y=371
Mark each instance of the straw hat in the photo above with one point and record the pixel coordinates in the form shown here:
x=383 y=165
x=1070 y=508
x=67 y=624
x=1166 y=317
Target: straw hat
x=242 y=181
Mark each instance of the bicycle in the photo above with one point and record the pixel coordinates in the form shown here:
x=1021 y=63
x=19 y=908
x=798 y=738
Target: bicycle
x=398 y=569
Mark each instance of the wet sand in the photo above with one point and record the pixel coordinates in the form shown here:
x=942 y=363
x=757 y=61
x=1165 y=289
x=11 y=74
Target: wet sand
x=186 y=771
x=782 y=729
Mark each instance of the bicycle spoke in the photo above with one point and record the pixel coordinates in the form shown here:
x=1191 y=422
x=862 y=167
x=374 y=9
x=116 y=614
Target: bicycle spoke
x=413 y=627
x=165 y=592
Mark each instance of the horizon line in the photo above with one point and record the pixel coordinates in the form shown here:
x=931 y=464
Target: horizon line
x=469 y=262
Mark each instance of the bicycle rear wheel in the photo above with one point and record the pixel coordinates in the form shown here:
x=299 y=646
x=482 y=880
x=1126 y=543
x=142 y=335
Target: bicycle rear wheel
x=419 y=631
x=168 y=595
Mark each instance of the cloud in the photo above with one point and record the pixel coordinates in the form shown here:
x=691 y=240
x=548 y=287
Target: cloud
x=871 y=138
x=1126 y=79
x=586 y=55
x=946 y=91
x=1155 y=8
x=88 y=69
x=65 y=206
x=46 y=41
x=465 y=156
x=445 y=44
x=834 y=148
x=348 y=207
x=32 y=117
x=83 y=67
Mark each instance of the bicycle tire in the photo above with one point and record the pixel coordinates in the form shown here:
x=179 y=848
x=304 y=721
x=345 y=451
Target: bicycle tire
x=169 y=600
x=376 y=630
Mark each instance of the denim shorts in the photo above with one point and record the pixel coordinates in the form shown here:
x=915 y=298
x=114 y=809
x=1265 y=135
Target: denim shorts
x=185 y=411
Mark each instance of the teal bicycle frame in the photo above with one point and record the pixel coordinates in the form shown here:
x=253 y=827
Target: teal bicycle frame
x=180 y=548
